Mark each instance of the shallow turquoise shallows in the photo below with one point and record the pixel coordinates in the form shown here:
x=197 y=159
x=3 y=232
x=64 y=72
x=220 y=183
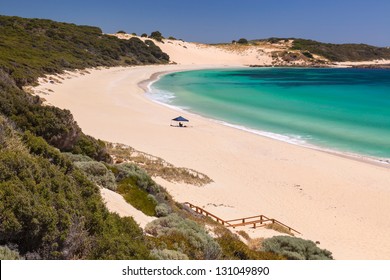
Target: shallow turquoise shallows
x=341 y=109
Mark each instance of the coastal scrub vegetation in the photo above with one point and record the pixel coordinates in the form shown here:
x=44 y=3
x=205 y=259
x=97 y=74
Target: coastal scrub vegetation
x=294 y=248
x=50 y=210
x=31 y=48
x=342 y=52
x=185 y=236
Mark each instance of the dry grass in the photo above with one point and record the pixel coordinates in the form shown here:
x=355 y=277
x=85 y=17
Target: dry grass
x=244 y=234
x=256 y=244
x=279 y=228
x=157 y=167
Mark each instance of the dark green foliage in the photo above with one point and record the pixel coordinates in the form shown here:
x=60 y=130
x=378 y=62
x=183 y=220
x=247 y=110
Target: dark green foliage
x=156 y=35
x=121 y=32
x=342 y=52
x=89 y=146
x=234 y=249
x=121 y=239
x=144 y=35
x=39 y=202
x=294 y=248
x=242 y=41
x=56 y=126
x=33 y=47
x=187 y=237
x=156 y=51
x=307 y=54
x=50 y=210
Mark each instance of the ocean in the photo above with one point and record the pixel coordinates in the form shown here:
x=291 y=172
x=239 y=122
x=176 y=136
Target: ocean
x=344 y=110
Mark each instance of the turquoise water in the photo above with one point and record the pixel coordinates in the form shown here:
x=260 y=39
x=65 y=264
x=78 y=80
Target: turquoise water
x=342 y=109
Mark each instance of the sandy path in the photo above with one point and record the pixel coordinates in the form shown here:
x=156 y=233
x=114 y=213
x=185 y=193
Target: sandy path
x=116 y=203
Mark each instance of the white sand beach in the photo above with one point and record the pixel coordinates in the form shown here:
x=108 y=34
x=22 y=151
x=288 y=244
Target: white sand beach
x=341 y=202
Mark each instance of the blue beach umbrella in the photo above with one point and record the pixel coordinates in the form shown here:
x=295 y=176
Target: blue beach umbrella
x=180 y=119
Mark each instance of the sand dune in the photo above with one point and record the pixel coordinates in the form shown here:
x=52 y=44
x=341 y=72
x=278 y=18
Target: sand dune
x=117 y=204
x=340 y=202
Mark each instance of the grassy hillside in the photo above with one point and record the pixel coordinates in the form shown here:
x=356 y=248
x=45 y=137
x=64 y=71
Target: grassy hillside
x=30 y=48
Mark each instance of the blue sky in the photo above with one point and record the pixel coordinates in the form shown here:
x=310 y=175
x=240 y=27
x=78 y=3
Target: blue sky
x=335 y=21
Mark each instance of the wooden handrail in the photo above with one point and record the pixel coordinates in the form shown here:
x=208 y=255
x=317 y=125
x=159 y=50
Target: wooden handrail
x=207 y=214
x=261 y=219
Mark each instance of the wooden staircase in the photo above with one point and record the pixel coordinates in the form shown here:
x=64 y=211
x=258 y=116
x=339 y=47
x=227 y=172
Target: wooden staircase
x=255 y=221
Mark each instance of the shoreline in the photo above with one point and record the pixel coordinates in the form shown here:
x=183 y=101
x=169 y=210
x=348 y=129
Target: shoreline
x=145 y=85
x=340 y=202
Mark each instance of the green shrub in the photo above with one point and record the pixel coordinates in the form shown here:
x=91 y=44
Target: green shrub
x=8 y=254
x=156 y=35
x=98 y=173
x=52 y=212
x=89 y=146
x=294 y=248
x=137 y=197
x=163 y=210
x=234 y=249
x=138 y=176
x=185 y=236
x=242 y=41
x=77 y=157
x=121 y=239
x=166 y=254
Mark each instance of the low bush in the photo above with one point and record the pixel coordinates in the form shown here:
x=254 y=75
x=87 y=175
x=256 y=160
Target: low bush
x=121 y=239
x=8 y=254
x=184 y=236
x=242 y=41
x=234 y=249
x=294 y=248
x=163 y=210
x=98 y=173
x=166 y=254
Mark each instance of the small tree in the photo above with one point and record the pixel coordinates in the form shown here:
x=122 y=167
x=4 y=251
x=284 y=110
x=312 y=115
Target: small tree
x=242 y=41
x=121 y=32
x=144 y=35
x=156 y=35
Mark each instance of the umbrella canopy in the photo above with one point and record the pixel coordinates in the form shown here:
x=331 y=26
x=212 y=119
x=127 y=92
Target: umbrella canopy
x=180 y=119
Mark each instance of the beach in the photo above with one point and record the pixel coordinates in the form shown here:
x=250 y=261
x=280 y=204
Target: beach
x=340 y=202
